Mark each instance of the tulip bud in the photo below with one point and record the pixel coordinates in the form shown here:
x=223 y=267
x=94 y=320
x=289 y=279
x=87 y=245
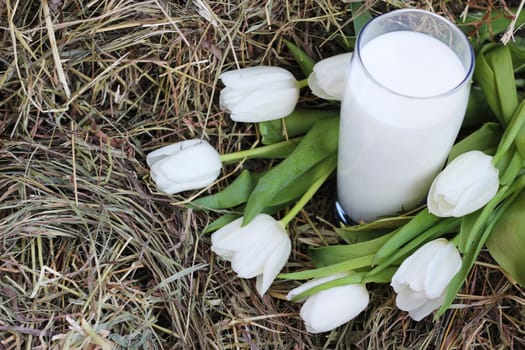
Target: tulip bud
x=259 y=249
x=331 y=307
x=258 y=94
x=328 y=79
x=186 y=165
x=464 y=186
x=422 y=279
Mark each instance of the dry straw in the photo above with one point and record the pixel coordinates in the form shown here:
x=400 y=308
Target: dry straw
x=92 y=257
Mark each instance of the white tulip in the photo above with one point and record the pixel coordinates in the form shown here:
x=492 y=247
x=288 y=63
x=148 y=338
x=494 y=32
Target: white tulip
x=422 y=279
x=330 y=308
x=186 y=165
x=328 y=79
x=259 y=249
x=258 y=94
x=464 y=186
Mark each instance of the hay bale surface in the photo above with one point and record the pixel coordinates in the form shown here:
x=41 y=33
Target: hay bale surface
x=93 y=257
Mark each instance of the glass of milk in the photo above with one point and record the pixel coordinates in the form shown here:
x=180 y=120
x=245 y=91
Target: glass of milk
x=405 y=99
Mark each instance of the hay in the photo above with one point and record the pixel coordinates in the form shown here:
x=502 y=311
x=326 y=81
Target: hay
x=92 y=257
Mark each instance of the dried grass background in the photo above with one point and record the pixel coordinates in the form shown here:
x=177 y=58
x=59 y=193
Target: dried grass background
x=93 y=257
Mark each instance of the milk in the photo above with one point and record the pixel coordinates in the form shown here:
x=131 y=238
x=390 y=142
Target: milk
x=399 y=119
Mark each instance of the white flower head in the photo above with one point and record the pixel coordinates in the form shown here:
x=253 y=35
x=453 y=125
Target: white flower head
x=464 y=186
x=183 y=166
x=422 y=279
x=258 y=94
x=330 y=308
x=328 y=79
x=259 y=249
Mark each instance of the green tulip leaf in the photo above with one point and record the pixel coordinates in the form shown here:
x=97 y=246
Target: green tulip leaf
x=495 y=74
x=418 y=224
x=278 y=150
x=506 y=242
x=474 y=232
x=469 y=257
x=305 y=62
x=296 y=188
x=354 y=278
x=347 y=265
x=346 y=41
x=478 y=233
x=472 y=225
x=319 y=143
x=360 y=15
x=514 y=133
x=353 y=237
x=445 y=226
x=335 y=254
x=357 y=277
x=230 y=216
x=512 y=169
x=364 y=232
x=467 y=223
x=239 y=190
x=295 y=124
x=485 y=139
x=478 y=110
x=235 y=194
x=220 y=222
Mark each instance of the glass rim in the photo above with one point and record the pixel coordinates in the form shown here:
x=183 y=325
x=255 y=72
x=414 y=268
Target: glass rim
x=468 y=72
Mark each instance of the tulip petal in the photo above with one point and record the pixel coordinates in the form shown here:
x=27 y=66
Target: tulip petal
x=333 y=307
x=250 y=261
x=186 y=165
x=274 y=264
x=421 y=280
x=444 y=193
x=442 y=267
x=259 y=105
x=477 y=195
x=199 y=162
x=253 y=244
x=258 y=94
x=246 y=259
x=221 y=238
x=317 y=89
x=252 y=78
x=408 y=299
x=413 y=269
x=264 y=237
x=163 y=152
x=464 y=186
x=260 y=248
x=328 y=79
x=427 y=308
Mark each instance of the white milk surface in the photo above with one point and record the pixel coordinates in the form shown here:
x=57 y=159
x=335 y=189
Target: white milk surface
x=399 y=120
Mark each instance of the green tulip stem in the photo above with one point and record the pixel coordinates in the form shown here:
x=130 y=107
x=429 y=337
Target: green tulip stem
x=302 y=83
x=332 y=163
x=511 y=132
x=383 y=276
x=471 y=236
x=353 y=278
x=276 y=150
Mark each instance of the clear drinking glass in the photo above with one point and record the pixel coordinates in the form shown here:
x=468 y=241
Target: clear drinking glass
x=405 y=99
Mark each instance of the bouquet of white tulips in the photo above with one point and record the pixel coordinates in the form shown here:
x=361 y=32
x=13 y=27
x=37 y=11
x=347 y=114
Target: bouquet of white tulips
x=475 y=202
